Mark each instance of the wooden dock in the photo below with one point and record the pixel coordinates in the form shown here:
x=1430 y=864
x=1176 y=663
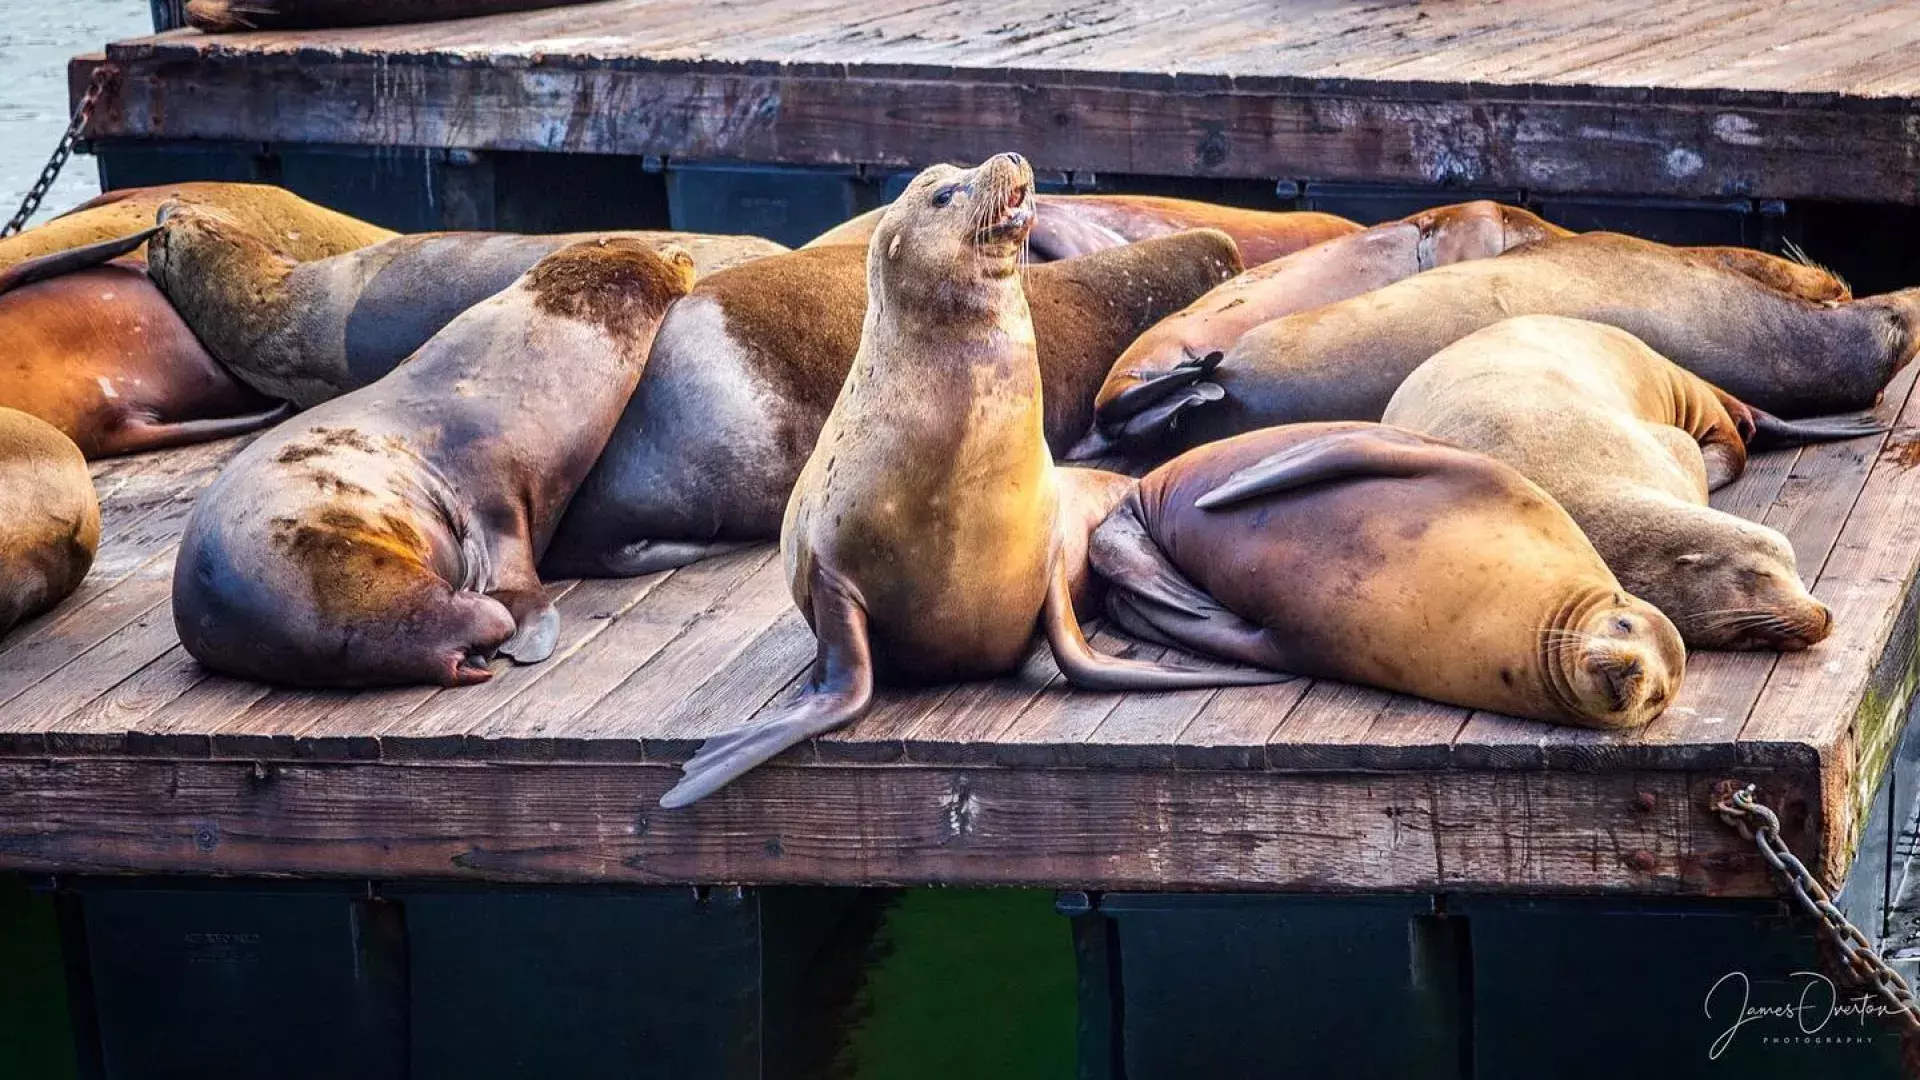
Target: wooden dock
x=119 y=753
x=1674 y=98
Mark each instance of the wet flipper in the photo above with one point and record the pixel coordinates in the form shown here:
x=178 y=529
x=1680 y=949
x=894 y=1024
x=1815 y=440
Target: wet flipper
x=1770 y=432
x=1125 y=555
x=839 y=693
x=1363 y=453
x=1092 y=670
x=66 y=262
x=1150 y=598
x=1153 y=389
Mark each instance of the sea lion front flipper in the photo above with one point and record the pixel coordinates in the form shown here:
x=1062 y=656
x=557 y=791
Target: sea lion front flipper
x=536 y=626
x=1771 y=432
x=28 y=271
x=1345 y=455
x=839 y=693
x=1092 y=670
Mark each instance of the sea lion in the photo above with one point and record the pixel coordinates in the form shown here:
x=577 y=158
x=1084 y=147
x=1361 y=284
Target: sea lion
x=1342 y=361
x=291 y=225
x=102 y=356
x=308 y=332
x=231 y=16
x=923 y=539
x=746 y=369
x=390 y=535
x=1347 y=266
x=49 y=517
x=1068 y=226
x=1629 y=444
x=1378 y=556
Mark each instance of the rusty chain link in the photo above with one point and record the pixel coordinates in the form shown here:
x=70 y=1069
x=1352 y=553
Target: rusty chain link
x=102 y=77
x=1856 y=953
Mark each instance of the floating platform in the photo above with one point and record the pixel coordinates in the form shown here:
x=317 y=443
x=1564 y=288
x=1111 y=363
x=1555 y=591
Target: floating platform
x=119 y=753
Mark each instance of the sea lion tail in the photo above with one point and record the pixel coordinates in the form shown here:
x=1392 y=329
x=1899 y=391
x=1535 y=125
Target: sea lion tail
x=1771 y=432
x=54 y=265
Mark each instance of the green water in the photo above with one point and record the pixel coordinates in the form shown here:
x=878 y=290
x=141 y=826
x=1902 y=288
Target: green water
x=35 y=1039
x=962 y=983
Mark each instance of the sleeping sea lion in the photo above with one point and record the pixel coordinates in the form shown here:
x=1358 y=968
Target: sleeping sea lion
x=308 y=332
x=1630 y=444
x=923 y=539
x=390 y=535
x=100 y=354
x=1378 y=556
x=291 y=225
x=1790 y=356
x=49 y=517
x=747 y=367
x=1068 y=226
x=1347 y=266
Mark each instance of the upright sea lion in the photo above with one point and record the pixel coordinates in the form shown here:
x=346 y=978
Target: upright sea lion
x=1378 y=556
x=1068 y=226
x=747 y=367
x=307 y=332
x=291 y=225
x=229 y=16
x=923 y=539
x=390 y=535
x=1630 y=445
x=102 y=356
x=1774 y=350
x=49 y=517
x=1347 y=266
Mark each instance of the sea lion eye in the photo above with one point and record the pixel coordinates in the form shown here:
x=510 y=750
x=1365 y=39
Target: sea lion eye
x=943 y=196
x=1623 y=626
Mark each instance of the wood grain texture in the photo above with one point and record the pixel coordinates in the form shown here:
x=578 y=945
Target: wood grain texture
x=1702 y=98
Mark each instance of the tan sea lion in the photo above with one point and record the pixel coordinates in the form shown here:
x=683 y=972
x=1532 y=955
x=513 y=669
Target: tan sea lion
x=1378 y=556
x=747 y=367
x=1779 y=352
x=923 y=539
x=231 y=16
x=1069 y=226
x=49 y=517
x=308 y=332
x=101 y=355
x=294 y=227
x=1347 y=266
x=1629 y=444
x=390 y=535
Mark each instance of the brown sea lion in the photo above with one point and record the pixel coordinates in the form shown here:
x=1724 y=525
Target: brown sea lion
x=308 y=332
x=230 y=16
x=1374 y=258
x=923 y=539
x=49 y=517
x=1779 y=352
x=294 y=227
x=1068 y=226
x=1629 y=444
x=101 y=355
x=746 y=369
x=390 y=535
x=1378 y=556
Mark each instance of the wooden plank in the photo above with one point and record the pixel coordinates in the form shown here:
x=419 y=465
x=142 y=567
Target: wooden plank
x=874 y=825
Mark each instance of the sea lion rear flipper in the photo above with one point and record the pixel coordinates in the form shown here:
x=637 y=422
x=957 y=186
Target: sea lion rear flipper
x=1344 y=455
x=1770 y=432
x=1150 y=598
x=536 y=630
x=838 y=694
x=142 y=435
x=43 y=267
x=1152 y=389
x=638 y=558
x=1092 y=670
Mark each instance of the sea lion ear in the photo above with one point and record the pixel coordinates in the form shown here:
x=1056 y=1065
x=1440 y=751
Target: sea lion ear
x=893 y=246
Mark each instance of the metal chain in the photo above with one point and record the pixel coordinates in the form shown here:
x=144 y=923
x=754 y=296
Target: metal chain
x=102 y=77
x=1855 y=951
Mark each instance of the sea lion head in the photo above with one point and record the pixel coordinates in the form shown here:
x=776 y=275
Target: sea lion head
x=953 y=234
x=1743 y=592
x=1615 y=663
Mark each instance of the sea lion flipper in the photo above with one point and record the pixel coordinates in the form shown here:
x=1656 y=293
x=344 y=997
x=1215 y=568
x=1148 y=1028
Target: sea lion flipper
x=639 y=558
x=142 y=435
x=1770 y=432
x=535 y=633
x=1153 y=388
x=28 y=271
x=1124 y=554
x=1093 y=670
x=1345 y=455
x=838 y=694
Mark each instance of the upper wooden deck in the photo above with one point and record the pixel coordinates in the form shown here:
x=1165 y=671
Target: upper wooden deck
x=118 y=752
x=1696 y=98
